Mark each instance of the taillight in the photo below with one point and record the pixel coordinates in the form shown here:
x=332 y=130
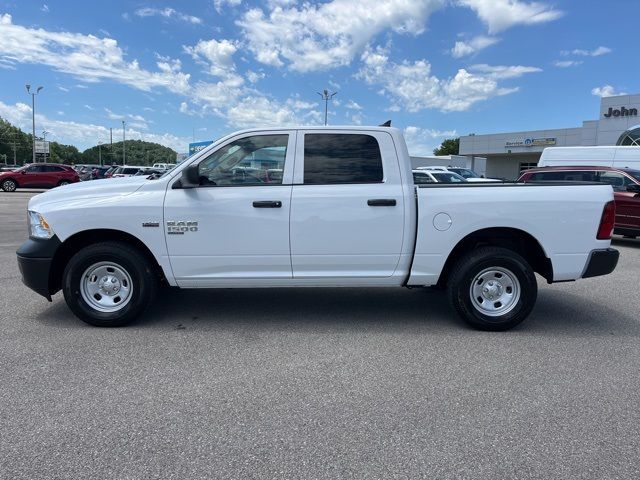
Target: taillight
x=607 y=222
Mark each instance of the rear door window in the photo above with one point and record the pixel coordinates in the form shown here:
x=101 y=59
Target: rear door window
x=331 y=158
x=565 y=176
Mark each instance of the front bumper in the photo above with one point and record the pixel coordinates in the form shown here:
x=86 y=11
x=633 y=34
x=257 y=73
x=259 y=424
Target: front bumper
x=35 y=258
x=601 y=262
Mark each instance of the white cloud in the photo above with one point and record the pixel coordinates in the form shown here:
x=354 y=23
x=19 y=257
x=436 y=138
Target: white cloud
x=422 y=141
x=219 y=4
x=596 y=52
x=318 y=37
x=45 y=8
x=413 y=86
x=63 y=89
x=87 y=57
x=606 y=91
x=567 y=63
x=462 y=49
x=113 y=116
x=184 y=108
x=500 y=15
x=254 y=77
x=83 y=135
x=351 y=105
x=500 y=72
x=167 y=13
x=216 y=54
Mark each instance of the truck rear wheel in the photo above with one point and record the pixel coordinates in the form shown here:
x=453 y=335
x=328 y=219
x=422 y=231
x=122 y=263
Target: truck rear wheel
x=108 y=284
x=492 y=288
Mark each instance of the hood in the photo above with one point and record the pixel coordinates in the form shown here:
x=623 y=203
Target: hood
x=108 y=187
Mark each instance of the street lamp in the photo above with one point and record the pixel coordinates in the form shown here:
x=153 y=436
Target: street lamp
x=124 y=153
x=326 y=96
x=33 y=116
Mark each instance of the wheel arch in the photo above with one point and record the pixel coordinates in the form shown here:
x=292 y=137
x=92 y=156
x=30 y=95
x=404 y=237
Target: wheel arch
x=519 y=241
x=89 y=237
x=10 y=178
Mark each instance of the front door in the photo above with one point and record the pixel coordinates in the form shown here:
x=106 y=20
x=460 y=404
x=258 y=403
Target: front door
x=33 y=176
x=234 y=228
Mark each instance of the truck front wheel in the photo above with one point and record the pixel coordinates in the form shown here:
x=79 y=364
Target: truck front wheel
x=108 y=284
x=492 y=288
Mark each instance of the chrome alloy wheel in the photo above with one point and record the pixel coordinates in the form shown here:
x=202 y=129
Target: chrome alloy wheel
x=106 y=287
x=495 y=291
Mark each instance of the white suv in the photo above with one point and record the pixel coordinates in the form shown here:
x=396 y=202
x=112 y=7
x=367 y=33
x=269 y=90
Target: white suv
x=465 y=173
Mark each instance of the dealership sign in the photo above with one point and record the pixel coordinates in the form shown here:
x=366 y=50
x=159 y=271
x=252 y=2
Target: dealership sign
x=532 y=142
x=42 y=147
x=621 y=112
x=198 y=146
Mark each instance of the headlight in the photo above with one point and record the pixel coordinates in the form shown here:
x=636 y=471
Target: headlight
x=38 y=226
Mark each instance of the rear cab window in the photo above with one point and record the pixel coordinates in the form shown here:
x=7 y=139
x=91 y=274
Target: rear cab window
x=341 y=158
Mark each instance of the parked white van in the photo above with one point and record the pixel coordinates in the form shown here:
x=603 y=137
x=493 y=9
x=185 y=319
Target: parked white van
x=619 y=157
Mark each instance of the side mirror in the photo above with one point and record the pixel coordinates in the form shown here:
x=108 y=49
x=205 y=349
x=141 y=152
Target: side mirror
x=190 y=177
x=633 y=188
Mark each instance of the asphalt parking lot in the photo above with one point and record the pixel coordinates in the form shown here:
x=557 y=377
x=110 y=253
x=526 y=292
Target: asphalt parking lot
x=306 y=383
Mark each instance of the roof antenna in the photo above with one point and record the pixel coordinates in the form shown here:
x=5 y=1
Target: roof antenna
x=386 y=124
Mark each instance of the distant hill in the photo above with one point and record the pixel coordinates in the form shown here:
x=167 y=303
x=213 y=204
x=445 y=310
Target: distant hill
x=138 y=152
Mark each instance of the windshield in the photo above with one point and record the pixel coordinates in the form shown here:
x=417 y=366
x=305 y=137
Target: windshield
x=465 y=172
x=634 y=173
x=448 y=177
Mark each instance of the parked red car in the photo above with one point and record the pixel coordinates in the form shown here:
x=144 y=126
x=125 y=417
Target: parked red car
x=38 y=175
x=625 y=183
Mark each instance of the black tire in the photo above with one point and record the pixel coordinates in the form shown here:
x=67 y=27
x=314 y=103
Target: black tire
x=131 y=261
x=9 y=185
x=501 y=267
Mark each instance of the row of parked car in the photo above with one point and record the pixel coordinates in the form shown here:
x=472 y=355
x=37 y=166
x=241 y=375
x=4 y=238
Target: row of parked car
x=50 y=175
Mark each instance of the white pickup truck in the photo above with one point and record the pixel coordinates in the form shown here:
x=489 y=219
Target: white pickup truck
x=321 y=207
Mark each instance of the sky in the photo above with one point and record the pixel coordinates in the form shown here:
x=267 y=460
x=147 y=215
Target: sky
x=196 y=70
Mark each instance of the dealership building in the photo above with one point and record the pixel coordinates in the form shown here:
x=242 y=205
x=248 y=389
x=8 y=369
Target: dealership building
x=507 y=154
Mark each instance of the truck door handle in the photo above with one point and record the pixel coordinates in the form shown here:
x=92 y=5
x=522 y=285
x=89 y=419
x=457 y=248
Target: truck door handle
x=267 y=204
x=382 y=202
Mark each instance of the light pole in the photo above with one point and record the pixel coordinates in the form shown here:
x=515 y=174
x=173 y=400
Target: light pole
x=44 y=145
x=326 y=96
x=33 y=115
x=124 y=153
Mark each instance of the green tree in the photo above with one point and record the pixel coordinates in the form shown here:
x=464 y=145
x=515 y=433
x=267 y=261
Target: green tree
x=138 y=152
x=450 y=146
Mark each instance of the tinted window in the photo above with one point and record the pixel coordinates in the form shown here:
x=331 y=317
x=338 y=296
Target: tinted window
x=634 y=173
x=618 y=181
x=130 y=171
x=566 y=176
x=52 y=168
x=35 y=168
x=463 y=172
x=341 y=158
x=420 y=178
x=257 y=160
x=448 y=177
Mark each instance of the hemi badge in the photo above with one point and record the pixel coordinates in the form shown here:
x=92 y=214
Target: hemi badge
x=151 y=224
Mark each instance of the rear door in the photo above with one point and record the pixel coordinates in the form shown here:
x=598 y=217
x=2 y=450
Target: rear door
x=347 y=206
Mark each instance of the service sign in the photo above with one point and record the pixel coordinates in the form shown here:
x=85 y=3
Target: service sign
x=198 y=146
x=532 y=142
